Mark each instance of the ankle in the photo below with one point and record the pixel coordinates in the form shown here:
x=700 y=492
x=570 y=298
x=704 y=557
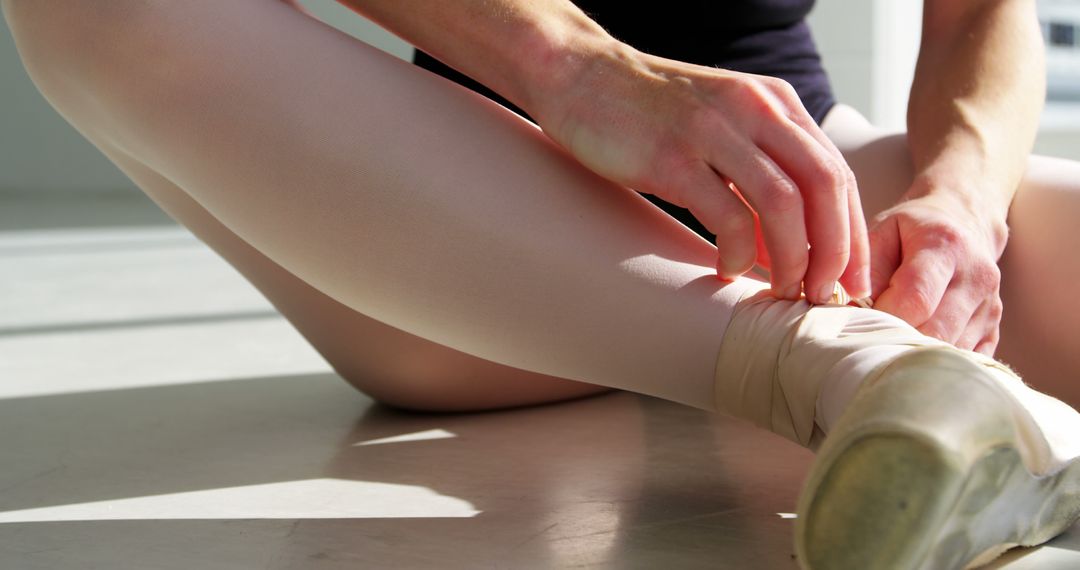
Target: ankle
x=791 y=367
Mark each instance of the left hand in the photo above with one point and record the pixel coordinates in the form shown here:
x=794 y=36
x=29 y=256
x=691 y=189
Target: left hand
x=933 y=263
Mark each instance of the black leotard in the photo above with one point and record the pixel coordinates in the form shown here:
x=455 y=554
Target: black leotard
x=765 y=37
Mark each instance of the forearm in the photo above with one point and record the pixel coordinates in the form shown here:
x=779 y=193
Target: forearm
x=975 y=102
x=685 y=133
x=525 y=50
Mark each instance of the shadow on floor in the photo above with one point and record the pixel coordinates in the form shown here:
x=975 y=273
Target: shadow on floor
x=618 y=480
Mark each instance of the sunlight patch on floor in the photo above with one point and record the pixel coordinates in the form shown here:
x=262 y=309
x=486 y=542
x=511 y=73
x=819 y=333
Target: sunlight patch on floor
x=307 y=499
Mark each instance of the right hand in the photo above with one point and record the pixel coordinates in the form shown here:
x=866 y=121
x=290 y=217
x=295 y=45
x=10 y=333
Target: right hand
x=695 y=135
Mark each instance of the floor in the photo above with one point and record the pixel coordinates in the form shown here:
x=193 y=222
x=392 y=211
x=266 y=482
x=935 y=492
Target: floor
x=156 y=412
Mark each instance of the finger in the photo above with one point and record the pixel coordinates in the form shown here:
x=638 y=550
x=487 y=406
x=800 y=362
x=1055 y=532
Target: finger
x=917 y=286
x=775 y=198
x=988 y=345
x=885 y=254
x=759 y=240
x=712 y=202
x=984 y=327
x=762 y=251
x=856 y=277
x=956 y=316
x=823 y=189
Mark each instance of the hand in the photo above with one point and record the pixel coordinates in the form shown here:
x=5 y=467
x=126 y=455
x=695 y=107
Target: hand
x=737 y=150
x=934 y=264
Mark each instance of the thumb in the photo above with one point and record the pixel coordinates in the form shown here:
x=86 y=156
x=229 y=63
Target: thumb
x=885 y=254
x=763 y=258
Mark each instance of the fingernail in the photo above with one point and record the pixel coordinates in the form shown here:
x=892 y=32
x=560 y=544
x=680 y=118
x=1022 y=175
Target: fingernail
x=724 y=270
x=825 y=294
x=727 y=269
x=862 y=284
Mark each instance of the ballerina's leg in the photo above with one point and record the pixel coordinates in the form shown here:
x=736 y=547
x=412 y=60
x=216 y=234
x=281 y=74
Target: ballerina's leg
x=393 y=192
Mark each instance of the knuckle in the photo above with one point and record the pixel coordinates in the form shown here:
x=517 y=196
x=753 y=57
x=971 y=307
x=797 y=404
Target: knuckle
x=682 y=180
x=776 y=87
x=756 y=88
x=779 y=193
x=919 y=300
x=949 y=236
x=993 y=273
x=985 y=276
x=737 y=223
x=991 y=276
x=784 y=88
x=832 y=176
x=785 y=92
x=997 y=308
x=756 y=96
x=849 y=176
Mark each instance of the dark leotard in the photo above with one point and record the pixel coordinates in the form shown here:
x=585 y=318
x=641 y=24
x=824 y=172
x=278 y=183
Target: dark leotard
x=764 y=37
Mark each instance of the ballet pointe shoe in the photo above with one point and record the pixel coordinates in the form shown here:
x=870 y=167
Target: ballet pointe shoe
x=943 y=460
x=928 y=457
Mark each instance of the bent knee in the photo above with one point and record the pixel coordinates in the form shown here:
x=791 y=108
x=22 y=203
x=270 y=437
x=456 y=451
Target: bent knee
x=71 y=38
x=99 y=61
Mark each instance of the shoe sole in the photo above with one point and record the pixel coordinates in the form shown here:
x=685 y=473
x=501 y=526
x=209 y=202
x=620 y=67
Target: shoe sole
x=925 y=471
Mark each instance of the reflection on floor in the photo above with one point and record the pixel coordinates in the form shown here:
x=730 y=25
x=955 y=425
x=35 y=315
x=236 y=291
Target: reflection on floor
x=157 y=412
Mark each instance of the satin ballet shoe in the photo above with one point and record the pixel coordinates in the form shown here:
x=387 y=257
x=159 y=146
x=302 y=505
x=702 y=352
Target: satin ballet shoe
x=942 y=459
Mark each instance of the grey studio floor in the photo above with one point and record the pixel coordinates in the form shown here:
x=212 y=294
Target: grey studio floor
x=157 y=412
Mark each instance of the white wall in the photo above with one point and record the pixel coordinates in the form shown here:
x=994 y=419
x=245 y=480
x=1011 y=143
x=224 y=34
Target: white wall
x=869 y=49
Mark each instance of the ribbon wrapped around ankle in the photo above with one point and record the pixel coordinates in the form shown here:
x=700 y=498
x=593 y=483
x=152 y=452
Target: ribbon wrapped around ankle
x=777 y=355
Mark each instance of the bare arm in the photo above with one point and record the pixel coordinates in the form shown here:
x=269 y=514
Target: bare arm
x=973 y=112
x=975 y=102
x=520 y=49
x=682 y=132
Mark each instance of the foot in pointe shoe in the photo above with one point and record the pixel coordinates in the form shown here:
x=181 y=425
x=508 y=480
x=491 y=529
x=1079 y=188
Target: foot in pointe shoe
x=944 y=460
x=935 y=458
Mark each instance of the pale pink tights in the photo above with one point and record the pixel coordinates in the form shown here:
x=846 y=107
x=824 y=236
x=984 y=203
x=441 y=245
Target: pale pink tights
x=439 y=252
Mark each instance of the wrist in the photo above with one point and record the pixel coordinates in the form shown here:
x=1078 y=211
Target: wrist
x=560 y=59
x=974 y=199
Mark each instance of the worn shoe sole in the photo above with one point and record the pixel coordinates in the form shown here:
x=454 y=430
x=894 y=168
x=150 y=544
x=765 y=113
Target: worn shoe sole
x=926 y=470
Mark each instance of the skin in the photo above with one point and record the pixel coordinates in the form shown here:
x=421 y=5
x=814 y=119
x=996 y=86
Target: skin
x=676 y=130
x=973 y=112
x=741 y=153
